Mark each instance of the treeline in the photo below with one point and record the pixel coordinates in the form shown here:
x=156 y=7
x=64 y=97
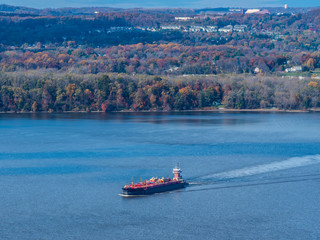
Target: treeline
x=155 y=59
x=47 y=92
x=57 y=30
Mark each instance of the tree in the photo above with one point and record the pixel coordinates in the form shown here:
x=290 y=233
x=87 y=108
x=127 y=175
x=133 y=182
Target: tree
x=104 y=85
x=141 y=100
x=34 y=106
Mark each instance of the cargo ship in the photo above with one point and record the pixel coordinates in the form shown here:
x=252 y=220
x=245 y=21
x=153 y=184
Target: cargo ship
x=155 y=185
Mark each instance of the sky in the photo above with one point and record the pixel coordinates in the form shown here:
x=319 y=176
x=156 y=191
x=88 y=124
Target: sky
x=162 y=3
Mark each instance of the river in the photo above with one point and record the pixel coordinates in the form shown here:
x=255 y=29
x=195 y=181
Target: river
x=252 y=175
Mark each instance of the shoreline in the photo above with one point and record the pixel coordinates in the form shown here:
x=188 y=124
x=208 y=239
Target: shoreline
x=218 y=110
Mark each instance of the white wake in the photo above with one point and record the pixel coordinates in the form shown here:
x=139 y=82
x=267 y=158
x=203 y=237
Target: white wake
x=266 y=168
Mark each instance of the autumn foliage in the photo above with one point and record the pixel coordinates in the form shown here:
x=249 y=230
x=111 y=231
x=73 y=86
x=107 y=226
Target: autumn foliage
x=38 y=92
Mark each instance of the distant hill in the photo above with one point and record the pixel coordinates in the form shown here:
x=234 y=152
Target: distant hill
x=291 y=10
x=4 y=8
x=9 y=10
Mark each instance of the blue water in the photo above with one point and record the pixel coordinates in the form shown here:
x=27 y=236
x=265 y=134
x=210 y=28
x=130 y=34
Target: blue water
x=252 y=175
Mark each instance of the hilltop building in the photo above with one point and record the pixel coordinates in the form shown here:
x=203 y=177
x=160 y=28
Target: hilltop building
x=257 y=11
x=250 y=11
x=183 y=18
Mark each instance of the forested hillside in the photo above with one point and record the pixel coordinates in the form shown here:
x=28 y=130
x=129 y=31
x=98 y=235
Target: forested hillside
x=138 y=59
x=133 y=42
x=48 y=92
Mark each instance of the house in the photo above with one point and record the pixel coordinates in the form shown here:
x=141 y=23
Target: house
x=174 y=27
x=239 y=28
x=257 y=70
x=121 y=29
x=150 y=29
x=294 y=69
x=211 y=28
x=226 y=29
x=183 y=18
x=197 y=29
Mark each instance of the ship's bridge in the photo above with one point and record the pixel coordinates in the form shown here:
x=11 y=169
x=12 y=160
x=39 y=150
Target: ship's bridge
x=177 y=173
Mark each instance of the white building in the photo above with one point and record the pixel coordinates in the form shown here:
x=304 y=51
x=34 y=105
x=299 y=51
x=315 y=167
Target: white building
x=211 y=28
x=250 y=11
x=174 y=27
x=257 y=70
x=226 y=29
x=294 y=69
x=197 y=29
x=239 y=28
x=183 y=18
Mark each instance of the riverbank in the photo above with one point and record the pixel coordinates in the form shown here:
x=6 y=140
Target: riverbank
x=221 y=110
